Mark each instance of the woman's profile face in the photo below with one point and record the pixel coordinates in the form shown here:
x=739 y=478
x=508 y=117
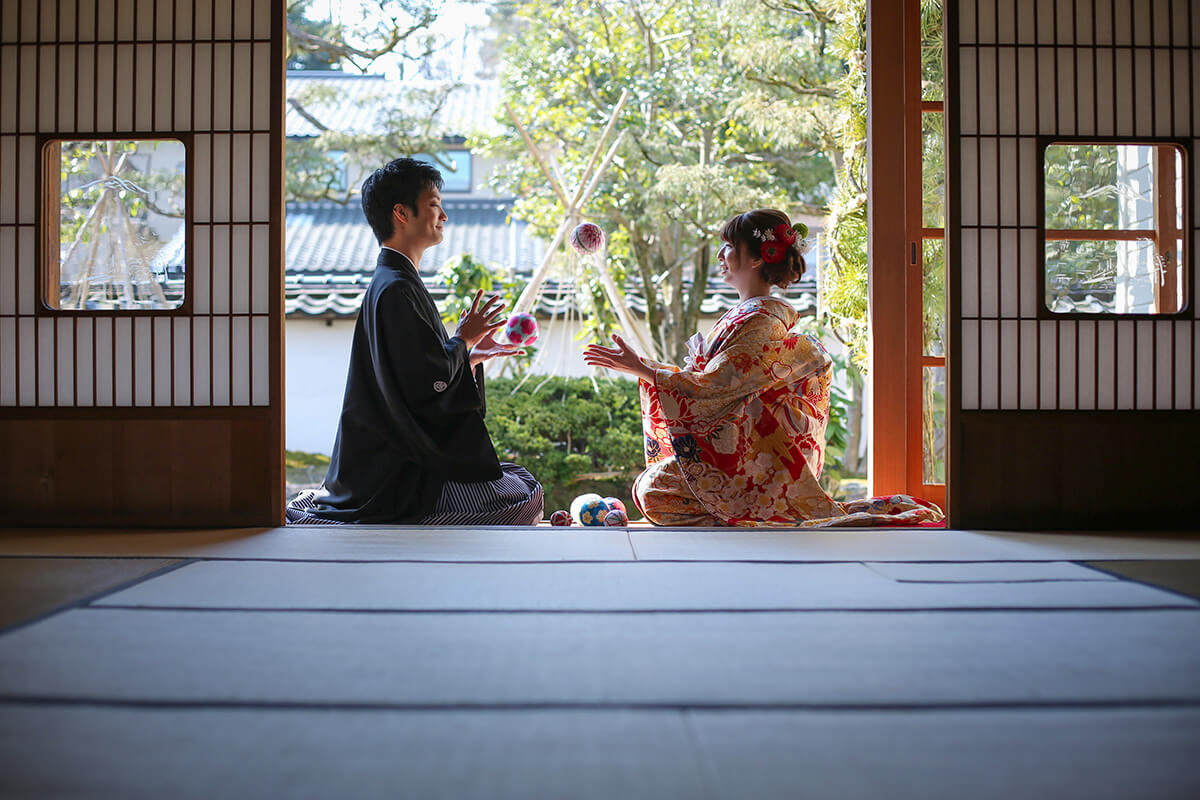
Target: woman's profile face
x=735 y=264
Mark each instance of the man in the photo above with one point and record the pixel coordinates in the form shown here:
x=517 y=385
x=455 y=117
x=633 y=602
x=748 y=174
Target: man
x=411 y=445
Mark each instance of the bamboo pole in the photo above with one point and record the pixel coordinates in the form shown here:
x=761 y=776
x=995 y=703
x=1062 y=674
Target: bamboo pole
x=629 y=325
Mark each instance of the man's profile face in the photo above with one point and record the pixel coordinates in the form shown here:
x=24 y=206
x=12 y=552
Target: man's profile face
x=427 y=223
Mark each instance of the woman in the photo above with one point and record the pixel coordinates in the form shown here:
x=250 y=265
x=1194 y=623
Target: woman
x=737 y=437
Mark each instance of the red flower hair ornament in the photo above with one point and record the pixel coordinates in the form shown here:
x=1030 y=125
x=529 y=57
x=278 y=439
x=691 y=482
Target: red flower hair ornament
x=776 y=241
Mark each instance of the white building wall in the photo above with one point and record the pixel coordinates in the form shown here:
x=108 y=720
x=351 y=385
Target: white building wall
x=318 y=356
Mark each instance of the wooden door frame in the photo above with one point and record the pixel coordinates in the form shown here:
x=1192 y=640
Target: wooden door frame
x=895 y=263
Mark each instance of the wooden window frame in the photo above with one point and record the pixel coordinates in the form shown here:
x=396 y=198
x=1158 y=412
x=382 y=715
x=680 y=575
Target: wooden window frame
x=49 y=190
x=1163 y=195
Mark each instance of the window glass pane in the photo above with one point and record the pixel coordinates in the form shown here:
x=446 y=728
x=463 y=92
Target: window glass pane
x=932 y=77
x=1112 y=222
x=455 y=167
x=933 y=423
x=933 y=170
x=1101 y=277
x=120 y=225
x=1099 y=187
x=934 y=297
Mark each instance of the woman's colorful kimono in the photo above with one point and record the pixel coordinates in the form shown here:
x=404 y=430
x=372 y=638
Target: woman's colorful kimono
x=738 y=436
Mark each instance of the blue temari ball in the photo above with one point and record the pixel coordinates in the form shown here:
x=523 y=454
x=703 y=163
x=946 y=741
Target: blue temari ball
x=521 y=329
x=589 y=509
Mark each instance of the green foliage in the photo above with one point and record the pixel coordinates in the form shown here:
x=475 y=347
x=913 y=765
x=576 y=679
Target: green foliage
x=330 y=166
x=304 y=469
x=845 y=283
x=295 y=459
x=724 y=99
x=1082 y=192
x=574 y=434
x=838 y=466
x=844 y=289
x=1081 y=186
x=88 y=168
x=464 y=275
x=304 y=58
x=363 y=31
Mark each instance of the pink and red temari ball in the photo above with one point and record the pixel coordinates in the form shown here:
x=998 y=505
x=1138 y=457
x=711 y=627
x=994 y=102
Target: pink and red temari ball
x=616 y=503
x=521 y=329
x=587 y=237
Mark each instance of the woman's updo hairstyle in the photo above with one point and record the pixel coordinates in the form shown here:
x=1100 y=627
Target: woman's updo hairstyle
x=747 y=231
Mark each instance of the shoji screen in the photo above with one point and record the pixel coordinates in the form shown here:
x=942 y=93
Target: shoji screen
x=1070 y=422
x=151 y=417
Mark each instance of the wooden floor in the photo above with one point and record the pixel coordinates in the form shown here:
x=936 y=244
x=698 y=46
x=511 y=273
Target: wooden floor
x=383 y=662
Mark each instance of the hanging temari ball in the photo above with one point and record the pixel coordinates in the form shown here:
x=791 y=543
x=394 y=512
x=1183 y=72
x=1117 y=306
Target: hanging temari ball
x=587 y=237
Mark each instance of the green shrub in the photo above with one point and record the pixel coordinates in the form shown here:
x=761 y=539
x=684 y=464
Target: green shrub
x=574 y=434
x=303 y=469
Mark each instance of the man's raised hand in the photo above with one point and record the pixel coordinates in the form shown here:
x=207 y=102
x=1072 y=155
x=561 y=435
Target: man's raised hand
x=488 y=348
x=476 y=322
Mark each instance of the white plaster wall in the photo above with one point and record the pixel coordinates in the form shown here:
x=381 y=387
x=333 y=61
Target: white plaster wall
x=318 y=355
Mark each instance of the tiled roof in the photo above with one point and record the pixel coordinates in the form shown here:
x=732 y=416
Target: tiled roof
x=330 y=256
x=360 y=101
x=327 y=238
x=341 y=296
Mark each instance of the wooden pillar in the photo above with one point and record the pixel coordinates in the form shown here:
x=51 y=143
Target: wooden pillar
x=891 y=252
x=1166 y=232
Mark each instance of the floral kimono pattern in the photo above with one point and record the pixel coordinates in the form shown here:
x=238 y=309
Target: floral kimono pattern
x=737 y=437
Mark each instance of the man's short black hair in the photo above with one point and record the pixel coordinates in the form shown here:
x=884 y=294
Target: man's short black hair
x=400 y=181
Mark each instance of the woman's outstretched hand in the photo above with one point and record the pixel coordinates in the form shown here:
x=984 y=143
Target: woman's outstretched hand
x=621 y=358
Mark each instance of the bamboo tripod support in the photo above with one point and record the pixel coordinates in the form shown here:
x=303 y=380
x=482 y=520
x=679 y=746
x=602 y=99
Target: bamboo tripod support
x=588 y=183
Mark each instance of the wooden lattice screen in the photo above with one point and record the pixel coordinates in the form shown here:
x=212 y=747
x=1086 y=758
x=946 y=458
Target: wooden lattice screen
x=194 y=393
x=1019 y=74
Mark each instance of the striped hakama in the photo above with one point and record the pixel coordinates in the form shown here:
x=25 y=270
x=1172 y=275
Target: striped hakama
x=515 y=498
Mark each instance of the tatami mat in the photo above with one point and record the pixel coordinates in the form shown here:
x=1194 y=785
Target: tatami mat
x=599 y=755
x=1176 y=576
x=1001 y=755
x=509 y=544
x=988 y=572
x=99 y=752
x=663 y=658
x=335 y=543
x=30 y=587
x=381 y=542
x=630 y=587
x=498 y=663
x=902 y=545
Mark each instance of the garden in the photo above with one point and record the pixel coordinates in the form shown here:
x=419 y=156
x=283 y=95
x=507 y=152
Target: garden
x=732 y=105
